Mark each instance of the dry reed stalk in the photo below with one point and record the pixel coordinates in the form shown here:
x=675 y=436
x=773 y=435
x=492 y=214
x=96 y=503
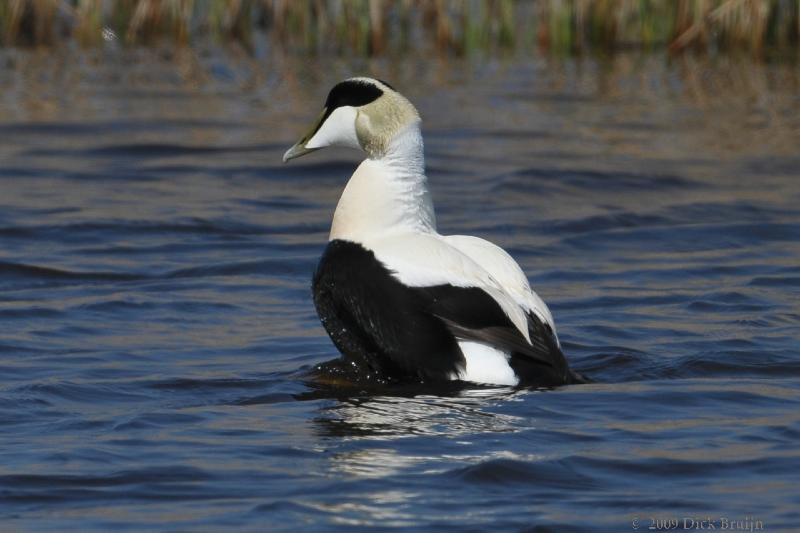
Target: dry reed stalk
x=379 y=26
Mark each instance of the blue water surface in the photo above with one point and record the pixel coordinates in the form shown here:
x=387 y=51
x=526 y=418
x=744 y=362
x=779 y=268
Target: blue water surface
x=156 y=323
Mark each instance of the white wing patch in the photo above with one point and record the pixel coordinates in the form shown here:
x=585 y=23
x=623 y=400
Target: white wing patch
x=424 y=260
x=485 y=364
x=502 y=267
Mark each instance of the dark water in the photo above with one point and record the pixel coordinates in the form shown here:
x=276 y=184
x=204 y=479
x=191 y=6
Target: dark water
x=156 y=324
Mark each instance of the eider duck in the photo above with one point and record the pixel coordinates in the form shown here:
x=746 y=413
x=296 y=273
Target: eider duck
x=400 y=301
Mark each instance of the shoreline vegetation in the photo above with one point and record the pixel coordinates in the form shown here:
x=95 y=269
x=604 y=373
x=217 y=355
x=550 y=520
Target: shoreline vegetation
x=764 y=29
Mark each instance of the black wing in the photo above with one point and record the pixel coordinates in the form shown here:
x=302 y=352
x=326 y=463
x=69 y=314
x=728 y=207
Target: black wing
x=472 y=314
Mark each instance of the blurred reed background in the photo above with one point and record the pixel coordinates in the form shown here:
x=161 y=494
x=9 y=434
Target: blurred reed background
x=762 y=28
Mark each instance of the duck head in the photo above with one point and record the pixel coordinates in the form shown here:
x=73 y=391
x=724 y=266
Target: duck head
x=362 y=113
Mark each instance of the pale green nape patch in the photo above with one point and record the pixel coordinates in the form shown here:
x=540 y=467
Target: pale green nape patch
x=378 y=122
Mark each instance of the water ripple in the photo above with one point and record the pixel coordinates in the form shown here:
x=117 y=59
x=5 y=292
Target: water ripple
x=157 y=332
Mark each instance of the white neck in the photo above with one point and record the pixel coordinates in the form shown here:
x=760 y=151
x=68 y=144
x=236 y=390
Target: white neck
x=387 y=194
